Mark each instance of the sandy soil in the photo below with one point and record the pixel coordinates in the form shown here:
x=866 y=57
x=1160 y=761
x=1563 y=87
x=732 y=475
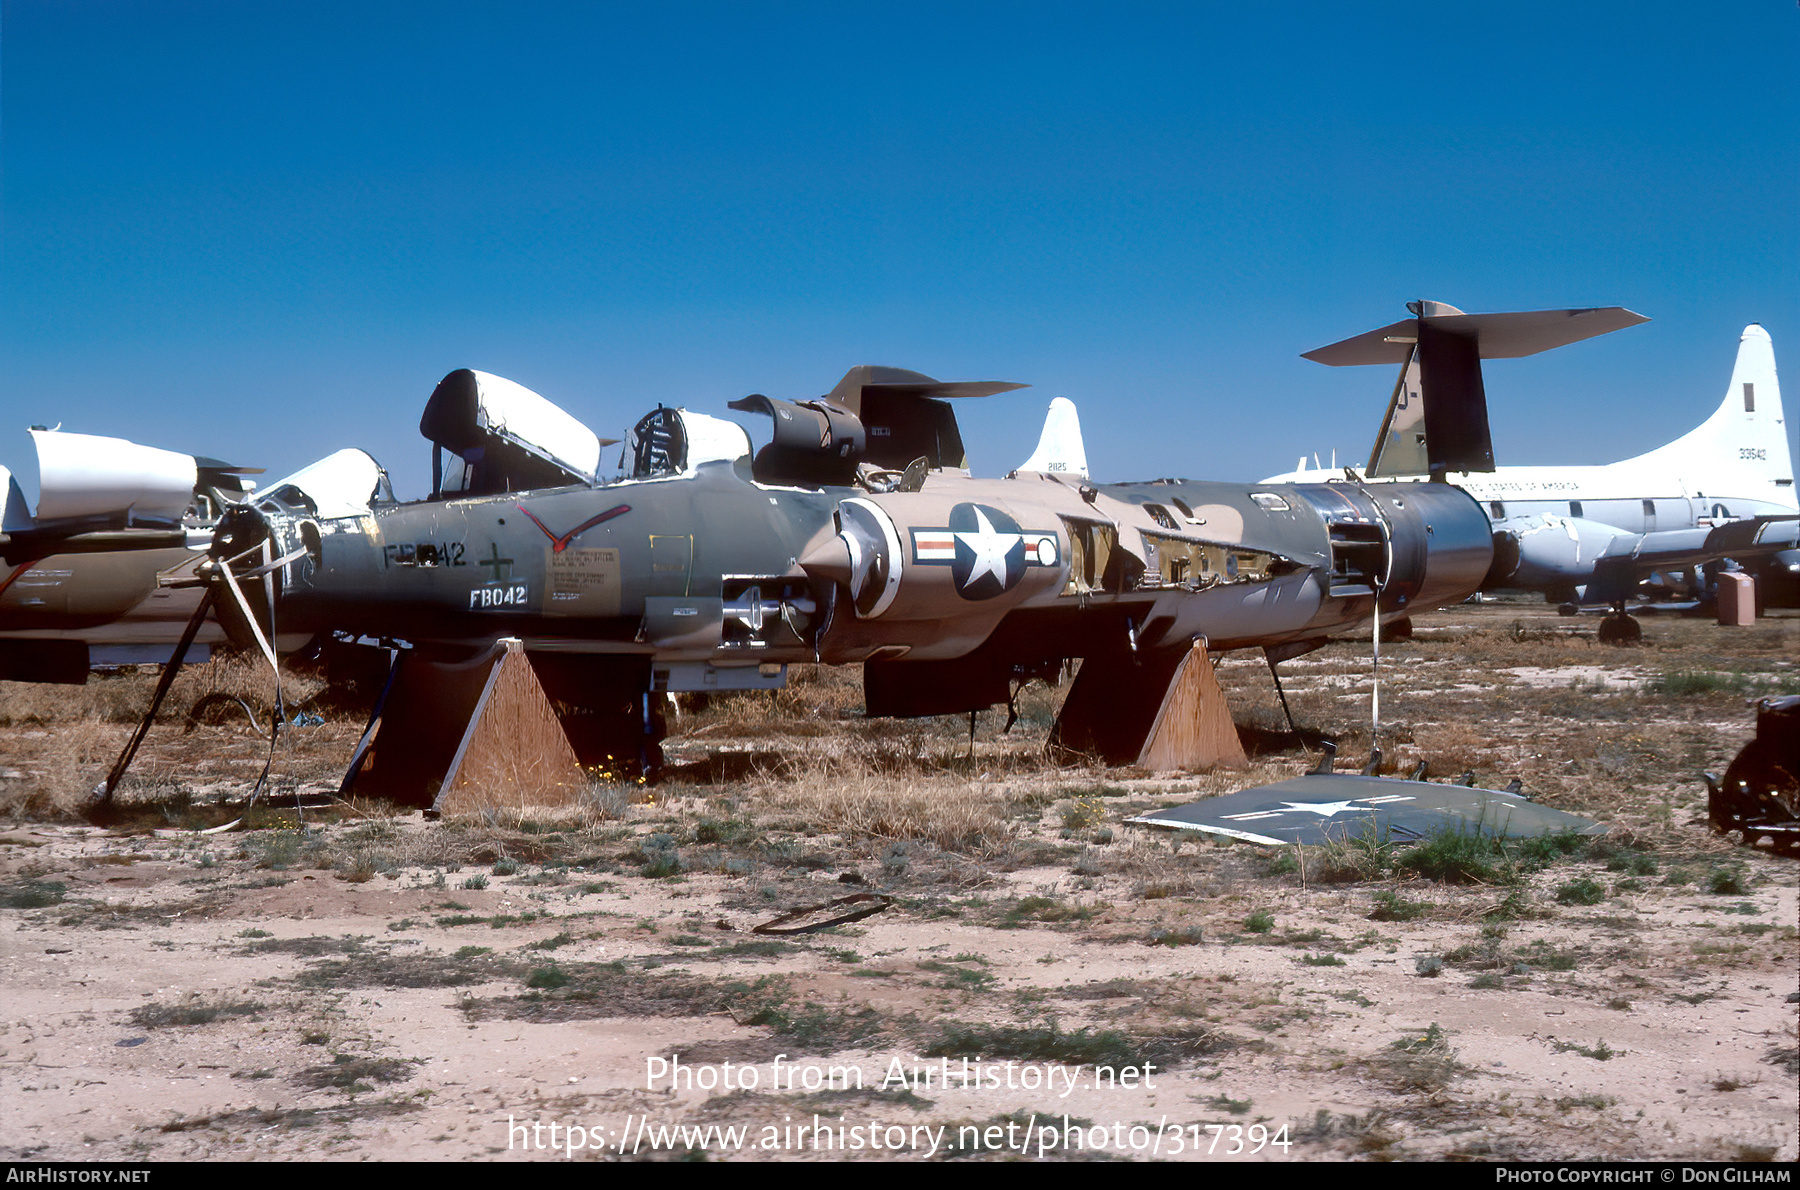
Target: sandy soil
x=366 y=985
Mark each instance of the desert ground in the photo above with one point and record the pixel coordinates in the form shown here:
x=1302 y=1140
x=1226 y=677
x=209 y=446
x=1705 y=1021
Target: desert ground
x=350 y=981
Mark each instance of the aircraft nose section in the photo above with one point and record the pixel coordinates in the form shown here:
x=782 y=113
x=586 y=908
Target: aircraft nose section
x=830 y=560
x=865 y=556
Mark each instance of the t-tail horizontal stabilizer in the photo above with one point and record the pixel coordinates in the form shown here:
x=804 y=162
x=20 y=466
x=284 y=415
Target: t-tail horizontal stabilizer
x=907 y=415
x=1437 y=417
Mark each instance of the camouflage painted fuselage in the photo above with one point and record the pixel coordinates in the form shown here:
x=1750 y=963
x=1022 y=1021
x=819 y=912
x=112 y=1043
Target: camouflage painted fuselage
x=710 y=577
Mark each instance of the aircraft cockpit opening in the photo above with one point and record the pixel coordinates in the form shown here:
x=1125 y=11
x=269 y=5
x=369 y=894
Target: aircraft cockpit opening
x=668 y=442
x=489 y=435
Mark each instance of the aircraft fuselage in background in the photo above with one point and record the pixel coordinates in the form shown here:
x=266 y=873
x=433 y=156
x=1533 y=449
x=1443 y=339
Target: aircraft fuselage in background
x=104 y=572
x=63 y=614
x=1552 y=524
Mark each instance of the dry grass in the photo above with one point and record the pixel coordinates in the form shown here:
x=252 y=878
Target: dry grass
x=602 y=805
x=378 y=842
x=57 y=742
x=1423 y=1064
x=806 y=752
x=1114 y=938
x=1452 y=748
x=857 y=802
x=26 y=704
x=815 y=698
x=60 y=770
x=1535 y=641
x=124 y=695
x=62 y=739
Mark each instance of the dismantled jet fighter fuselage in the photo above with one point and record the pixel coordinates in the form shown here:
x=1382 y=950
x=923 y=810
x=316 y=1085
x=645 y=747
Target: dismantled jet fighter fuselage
x=853 y=536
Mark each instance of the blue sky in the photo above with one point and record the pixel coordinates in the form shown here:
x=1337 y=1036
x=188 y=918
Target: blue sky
x=264 y=231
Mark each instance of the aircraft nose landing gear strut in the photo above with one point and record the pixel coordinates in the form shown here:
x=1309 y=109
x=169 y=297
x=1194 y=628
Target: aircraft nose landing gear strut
x=1619 y=627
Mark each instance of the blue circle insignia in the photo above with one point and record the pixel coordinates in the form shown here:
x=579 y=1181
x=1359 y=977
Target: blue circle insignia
x=990 y=551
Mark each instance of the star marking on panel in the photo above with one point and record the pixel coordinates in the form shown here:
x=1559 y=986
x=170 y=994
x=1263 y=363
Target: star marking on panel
x=990 y=550
x=1323 y=809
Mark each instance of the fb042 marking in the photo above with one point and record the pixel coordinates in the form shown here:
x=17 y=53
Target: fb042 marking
x=422 y=553
x=503 y=597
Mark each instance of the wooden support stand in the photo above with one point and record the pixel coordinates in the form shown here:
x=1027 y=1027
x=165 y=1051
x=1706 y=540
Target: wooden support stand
x=464 y=736
x=1162 y=711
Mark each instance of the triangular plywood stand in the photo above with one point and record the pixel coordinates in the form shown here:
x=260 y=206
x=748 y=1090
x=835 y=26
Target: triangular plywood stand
x=1193 y=728
x=1161 y=710
x=514 y=752
x=464 y=736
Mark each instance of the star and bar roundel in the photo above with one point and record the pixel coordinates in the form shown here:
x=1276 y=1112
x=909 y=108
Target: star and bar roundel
x=985 y=549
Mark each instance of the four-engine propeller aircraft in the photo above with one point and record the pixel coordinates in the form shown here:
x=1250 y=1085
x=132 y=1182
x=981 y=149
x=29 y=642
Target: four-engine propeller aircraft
x=1582 y=534
x=854 y=536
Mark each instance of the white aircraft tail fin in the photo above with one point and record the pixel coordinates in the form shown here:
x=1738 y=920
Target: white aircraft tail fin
x=1743 y=447
x=16 y=515
x=1060 y=450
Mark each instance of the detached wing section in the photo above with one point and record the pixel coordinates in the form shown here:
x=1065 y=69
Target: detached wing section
x=1632 y=557
x=1330 y=808
x=1437 y=418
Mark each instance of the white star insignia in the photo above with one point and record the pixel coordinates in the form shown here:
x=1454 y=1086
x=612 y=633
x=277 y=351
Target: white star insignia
x=990 y=549
x=1322 y=809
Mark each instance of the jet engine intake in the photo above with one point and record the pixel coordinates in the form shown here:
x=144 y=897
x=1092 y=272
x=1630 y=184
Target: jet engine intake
x=931 y=574
x=815 y=442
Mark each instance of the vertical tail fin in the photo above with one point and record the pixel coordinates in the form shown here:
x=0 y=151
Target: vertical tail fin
x=1743 y=447
x=16 y=515
x=1400 y=446
x=1059 y=450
